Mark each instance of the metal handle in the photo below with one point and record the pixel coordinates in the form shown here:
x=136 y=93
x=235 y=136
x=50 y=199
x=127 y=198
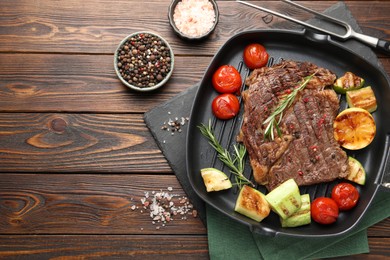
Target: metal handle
x=376 y=43
x=383 y=45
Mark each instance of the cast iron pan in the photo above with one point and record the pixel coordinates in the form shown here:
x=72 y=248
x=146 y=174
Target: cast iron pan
x=301 y=46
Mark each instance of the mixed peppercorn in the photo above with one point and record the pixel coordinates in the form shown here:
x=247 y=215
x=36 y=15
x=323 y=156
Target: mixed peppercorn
x=144 y=60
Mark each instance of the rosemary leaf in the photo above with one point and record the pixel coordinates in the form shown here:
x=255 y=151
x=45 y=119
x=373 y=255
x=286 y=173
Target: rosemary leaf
x=285 y=102
x=235 y=163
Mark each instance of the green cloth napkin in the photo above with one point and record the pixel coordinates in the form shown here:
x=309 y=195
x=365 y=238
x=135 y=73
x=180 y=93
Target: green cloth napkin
x=229 y=239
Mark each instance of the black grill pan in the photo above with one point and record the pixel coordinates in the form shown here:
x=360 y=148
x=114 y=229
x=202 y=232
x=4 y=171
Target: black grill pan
x=301 y=46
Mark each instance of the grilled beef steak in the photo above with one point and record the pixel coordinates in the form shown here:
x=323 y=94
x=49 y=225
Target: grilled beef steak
x=306 y=149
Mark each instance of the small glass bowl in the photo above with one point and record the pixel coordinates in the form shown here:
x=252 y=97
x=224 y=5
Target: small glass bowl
x=171 y=11
x=143 y=88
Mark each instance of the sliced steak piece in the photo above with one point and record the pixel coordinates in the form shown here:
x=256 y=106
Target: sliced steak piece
x=306 y=150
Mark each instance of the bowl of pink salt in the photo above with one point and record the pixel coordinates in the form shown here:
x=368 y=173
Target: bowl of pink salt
x=193 y=19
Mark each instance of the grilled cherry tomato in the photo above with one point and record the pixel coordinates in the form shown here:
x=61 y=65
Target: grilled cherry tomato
x=225 y=106
x=324 y=210
x=226 y=79
x=345 y=195
x=255 y=56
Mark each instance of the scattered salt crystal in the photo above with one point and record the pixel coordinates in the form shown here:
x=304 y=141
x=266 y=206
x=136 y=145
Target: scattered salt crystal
x=161 y=206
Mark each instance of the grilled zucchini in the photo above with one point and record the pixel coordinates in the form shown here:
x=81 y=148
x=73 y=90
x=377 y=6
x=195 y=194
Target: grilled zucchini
x=363 y=98
x=285 y=199
x=348 y=81
x=252 y=203
x=356 y=173
x=301 y=217
x=215 y=180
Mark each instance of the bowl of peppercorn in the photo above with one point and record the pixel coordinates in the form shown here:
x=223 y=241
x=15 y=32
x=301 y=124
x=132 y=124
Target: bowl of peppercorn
x=144 y=61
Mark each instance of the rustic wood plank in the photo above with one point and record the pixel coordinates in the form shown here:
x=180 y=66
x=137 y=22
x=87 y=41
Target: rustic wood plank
x=381 y=229
x=86 y=83
x=83 y=83
x=95 y=26
x=96 y=204
x=126 y=246
x=104 y=143
x=91 y=204
x=106 y=246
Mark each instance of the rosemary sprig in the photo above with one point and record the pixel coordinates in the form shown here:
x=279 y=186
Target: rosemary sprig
x=235 y=163
x=275 y=118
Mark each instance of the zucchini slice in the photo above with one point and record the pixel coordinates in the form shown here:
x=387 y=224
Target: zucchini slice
x=356 y=173
x=363 y=98
x=348 y=81
x=285 y=199
x=301 y=217
x=215 y=180
x=252 y=203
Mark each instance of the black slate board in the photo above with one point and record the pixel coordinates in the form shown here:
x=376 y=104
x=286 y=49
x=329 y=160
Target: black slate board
x=173 y=146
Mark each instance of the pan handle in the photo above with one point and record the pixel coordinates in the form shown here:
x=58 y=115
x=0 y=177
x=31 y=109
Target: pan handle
x=383 y=180
x=383 y=45
x=379 y=44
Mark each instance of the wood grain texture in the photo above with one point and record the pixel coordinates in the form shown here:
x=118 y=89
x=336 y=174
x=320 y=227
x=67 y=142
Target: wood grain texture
x=129 y=246
x=89 y=204
x=381 y=229
x=48 y=142
x=103 y=246
x=95 y=204
x=86 y=83
x=97 y=26
x=83 y=83
x=75 y=153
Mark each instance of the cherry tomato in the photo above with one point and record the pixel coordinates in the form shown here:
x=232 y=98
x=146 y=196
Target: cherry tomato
x=255 y=56
x=324 y=210
x=345 y=195
x=226 y=79
x=225 y=106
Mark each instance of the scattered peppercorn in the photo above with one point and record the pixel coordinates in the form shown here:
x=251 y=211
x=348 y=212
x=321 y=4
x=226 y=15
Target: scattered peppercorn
x=144 y=60
x=175 y=125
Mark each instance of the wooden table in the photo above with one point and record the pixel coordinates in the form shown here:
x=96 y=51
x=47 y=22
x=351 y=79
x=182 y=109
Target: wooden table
x=75 y=153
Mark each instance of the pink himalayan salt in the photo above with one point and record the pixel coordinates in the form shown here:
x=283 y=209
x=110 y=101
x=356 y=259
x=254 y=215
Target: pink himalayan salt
x=194 y=18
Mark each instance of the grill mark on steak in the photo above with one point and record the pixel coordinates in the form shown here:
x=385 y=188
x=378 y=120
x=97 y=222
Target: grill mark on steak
x=307 y=150
x=303 y=149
